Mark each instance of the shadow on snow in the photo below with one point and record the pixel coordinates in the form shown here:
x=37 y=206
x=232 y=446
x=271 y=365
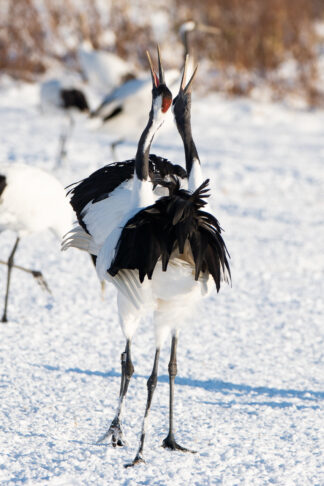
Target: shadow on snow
x=218 y=386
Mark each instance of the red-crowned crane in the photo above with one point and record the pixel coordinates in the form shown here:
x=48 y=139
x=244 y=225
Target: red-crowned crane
x=68 y=97
x=31 y=200
x=178 y=246
x=104 y=201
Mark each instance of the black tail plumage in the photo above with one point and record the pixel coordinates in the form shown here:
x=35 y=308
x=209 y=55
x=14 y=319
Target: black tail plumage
x=74 y=98
x=3 y=183
x=158 y=230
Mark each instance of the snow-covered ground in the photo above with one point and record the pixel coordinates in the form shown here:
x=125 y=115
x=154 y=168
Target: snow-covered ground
x=250 y=388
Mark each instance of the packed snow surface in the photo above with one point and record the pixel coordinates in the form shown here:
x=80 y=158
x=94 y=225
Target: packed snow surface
x=250 y=385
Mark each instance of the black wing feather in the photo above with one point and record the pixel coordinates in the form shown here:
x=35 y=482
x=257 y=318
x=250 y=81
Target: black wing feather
x=103 y=182
x=3 y=183
x=154 y=232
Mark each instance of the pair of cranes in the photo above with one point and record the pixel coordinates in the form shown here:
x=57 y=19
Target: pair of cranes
x=153 y=239
x=146 y=224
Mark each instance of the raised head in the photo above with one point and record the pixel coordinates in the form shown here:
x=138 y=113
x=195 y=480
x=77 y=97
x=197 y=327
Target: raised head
x=161 y=95
x=161 y=102
x=191 y=26
x=182 y=116
x=181 y=105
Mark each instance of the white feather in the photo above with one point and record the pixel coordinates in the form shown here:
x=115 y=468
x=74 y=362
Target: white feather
x=102 y=217
x=32 y=201
x=196 y=176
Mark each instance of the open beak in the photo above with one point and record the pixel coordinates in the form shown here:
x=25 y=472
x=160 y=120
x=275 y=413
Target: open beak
x=161 y=72
x=155 y=79
x=186 y=88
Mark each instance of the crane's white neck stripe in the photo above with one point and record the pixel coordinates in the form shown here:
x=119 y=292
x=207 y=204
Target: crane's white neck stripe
x=158 y=119
x=142 y=194
x=195 y=177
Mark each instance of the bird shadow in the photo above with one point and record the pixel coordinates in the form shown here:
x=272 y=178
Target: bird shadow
x=227 y=388
x=219 y=386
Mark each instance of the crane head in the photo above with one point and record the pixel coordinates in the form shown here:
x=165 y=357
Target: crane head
x=181 y=105
x=160 y=92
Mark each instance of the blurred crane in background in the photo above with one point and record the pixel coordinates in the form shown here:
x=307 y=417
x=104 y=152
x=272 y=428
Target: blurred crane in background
x=31 y=200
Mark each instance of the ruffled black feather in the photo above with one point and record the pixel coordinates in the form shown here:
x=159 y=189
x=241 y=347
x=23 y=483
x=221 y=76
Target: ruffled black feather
x=103 y=182
x=3 y=183
x=156 y=231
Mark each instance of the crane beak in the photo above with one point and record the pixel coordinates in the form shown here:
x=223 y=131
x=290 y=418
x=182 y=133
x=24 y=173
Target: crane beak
x=155 y=79
x=186 y=88
x=161 y=72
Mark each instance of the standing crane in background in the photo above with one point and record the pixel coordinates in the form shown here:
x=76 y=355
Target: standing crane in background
x=31 y=200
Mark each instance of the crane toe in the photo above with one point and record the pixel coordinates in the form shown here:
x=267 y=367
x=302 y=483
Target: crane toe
x=116 y=434
x=139 y=459
x=170 y=443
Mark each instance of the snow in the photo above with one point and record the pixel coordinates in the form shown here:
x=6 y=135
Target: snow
x=249 y=391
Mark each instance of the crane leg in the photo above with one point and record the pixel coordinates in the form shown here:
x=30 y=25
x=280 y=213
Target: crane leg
x=115 y=429
x=151 y=385
x=10 y=265
x=113 y=146
x=169 y=442
x=38 y=276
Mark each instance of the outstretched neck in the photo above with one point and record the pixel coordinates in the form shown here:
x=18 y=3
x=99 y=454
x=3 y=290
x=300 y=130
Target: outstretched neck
x=193 y=166
x=142 y=187
x=190 y=150
x=144 y=145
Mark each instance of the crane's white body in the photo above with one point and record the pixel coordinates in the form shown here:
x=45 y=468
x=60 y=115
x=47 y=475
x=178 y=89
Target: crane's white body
x=33 y=200
x=171 y=294
x=133 y=97
x=51 y=92
x=103 y=70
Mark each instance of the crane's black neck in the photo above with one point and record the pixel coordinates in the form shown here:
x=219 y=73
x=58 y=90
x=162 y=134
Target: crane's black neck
x=182 y=112
x=190 y=149
x=186 y=45
x=144 y=146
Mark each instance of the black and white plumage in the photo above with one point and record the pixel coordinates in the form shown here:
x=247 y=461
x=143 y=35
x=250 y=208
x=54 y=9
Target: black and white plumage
x=179 y=251
x=101 y=184
x=58 y=94
x=175 y=224
x=104 y=202
x=62 y=95
x=161 y=255
x=101 y=200
x=31 y=201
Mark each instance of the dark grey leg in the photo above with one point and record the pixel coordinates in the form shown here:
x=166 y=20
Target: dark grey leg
x=38 y=276
x=151 y=385
x=127 y=370
x=113 y=146
x=10 y=265
x=62 y=153
x=169 y=442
